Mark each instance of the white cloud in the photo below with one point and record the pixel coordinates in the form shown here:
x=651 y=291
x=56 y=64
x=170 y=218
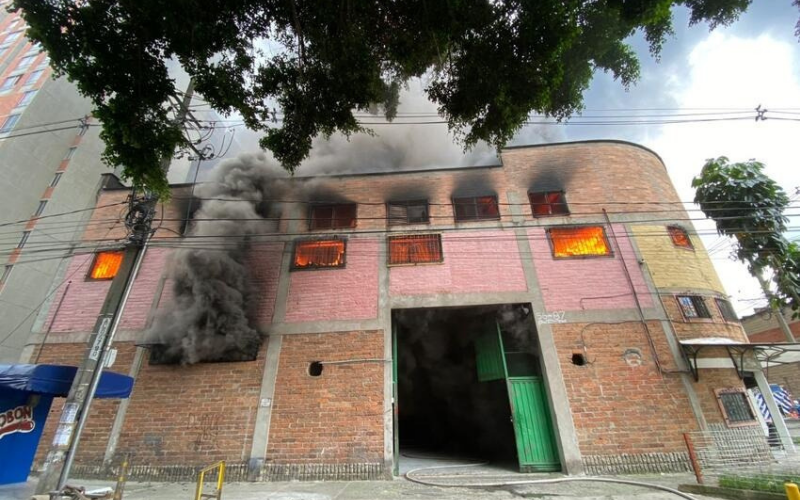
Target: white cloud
x=725 y=71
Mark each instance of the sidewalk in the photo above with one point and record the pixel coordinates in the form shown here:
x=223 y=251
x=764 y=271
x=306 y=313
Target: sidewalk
x=396 y=489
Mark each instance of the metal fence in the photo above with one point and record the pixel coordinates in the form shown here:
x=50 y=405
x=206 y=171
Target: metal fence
x=722 y=454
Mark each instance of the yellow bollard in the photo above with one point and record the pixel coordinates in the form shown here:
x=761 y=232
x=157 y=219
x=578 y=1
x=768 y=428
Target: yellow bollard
x=792 y=492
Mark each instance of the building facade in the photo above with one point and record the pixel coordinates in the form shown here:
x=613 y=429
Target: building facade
x=50 y=170
x=536 y=313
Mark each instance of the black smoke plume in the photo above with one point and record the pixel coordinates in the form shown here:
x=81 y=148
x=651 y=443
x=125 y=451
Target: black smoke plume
x=210 y=318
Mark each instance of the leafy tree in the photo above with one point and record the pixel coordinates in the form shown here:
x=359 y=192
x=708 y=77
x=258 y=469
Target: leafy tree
x=748 y=206
x=490 y=63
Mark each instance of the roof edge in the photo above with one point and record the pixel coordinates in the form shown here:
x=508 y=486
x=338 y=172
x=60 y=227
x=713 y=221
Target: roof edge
x=590 y=141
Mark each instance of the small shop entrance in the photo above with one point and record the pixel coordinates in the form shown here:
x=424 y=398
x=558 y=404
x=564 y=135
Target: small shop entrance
x=468 y=386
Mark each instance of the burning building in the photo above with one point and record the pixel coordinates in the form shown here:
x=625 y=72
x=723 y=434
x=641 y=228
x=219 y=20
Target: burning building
x=556 y=312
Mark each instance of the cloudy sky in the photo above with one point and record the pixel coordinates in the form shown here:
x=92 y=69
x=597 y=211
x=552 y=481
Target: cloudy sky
x=724 y=73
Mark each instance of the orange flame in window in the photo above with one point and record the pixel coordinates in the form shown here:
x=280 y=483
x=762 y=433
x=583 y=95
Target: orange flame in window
x=578 y=241
x=415 y=249
x=323 y=253
x=106 y=265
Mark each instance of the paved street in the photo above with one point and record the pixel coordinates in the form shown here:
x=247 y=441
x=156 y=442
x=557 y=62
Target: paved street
x=397 y=489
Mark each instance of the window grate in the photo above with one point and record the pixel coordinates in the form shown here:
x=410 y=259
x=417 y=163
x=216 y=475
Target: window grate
x=735 y=407
x=680 y=237
x=106 y=265
x=476 y=208
x=581 y=241
x=416 y=249
x=693 y=306
x=407 y=212
x=726 y=310
x=316 y=254
x=333 y=216
x=545 y=203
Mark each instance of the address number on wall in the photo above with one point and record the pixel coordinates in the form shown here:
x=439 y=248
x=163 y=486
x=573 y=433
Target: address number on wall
x=551 y=317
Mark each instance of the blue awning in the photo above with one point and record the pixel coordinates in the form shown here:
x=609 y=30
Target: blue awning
x=55 y=380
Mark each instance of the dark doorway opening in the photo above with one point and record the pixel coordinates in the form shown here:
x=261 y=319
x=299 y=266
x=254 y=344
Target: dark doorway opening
x=443 y=409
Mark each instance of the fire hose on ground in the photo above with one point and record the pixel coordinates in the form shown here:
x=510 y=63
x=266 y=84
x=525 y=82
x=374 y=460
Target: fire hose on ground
x=500 y=484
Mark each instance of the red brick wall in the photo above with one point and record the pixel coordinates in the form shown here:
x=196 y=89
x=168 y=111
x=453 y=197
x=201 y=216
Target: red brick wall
x=264 y=261
x=475 y=261
x=588 y=283
x=692 y=328
x=193 y=415
x=337 y=294
x=84 y=298
x=144 y=289
x=336 y=417
x=619 y=407
x=776 y=334
x=710 y=380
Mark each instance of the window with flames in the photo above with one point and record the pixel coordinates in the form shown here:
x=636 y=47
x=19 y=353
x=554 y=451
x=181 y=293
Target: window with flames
x=319 y=254
x=547 y=203
x=106 y=265
x=581 y=241
x=417 y=249
x=680 y=237
x=476 y=208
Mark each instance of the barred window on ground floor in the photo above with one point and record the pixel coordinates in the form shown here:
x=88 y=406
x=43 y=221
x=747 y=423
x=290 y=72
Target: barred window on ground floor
x=735 y=407
x=578 y=241
x=319 y=254
x=416 y=249
x=693 y=306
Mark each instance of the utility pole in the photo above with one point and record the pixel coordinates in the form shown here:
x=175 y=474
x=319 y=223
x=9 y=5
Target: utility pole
x=79 y=399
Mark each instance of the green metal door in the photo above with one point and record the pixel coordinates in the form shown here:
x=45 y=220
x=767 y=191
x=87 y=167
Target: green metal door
x=536 y=447
x=530 y=414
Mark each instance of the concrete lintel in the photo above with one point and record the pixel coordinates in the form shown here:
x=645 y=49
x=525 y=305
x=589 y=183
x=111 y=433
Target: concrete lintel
x=457 y=300
x=258 y=449
x=324 y=327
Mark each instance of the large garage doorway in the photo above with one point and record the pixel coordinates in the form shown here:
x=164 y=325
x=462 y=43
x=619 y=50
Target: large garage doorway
x=468 y=386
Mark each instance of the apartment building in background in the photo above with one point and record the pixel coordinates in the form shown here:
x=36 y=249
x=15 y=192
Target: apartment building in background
x=49 y=165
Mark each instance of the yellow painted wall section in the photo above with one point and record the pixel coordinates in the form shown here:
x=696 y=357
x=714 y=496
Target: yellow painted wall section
x=674 y=267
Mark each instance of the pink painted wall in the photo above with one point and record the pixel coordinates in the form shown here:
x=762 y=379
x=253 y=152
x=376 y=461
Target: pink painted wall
x=479 y=261
x=588 y=283
x=264 y=262
x=337 y=294
x=82 y=303
x=144 y=290
x=265 y=266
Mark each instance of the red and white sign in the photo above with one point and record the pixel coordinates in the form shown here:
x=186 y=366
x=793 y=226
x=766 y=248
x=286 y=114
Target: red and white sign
x=19 y=419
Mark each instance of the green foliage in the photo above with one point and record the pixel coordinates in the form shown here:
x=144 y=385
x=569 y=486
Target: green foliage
x=748 y=206
x=758 y=482
x=490 y=64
